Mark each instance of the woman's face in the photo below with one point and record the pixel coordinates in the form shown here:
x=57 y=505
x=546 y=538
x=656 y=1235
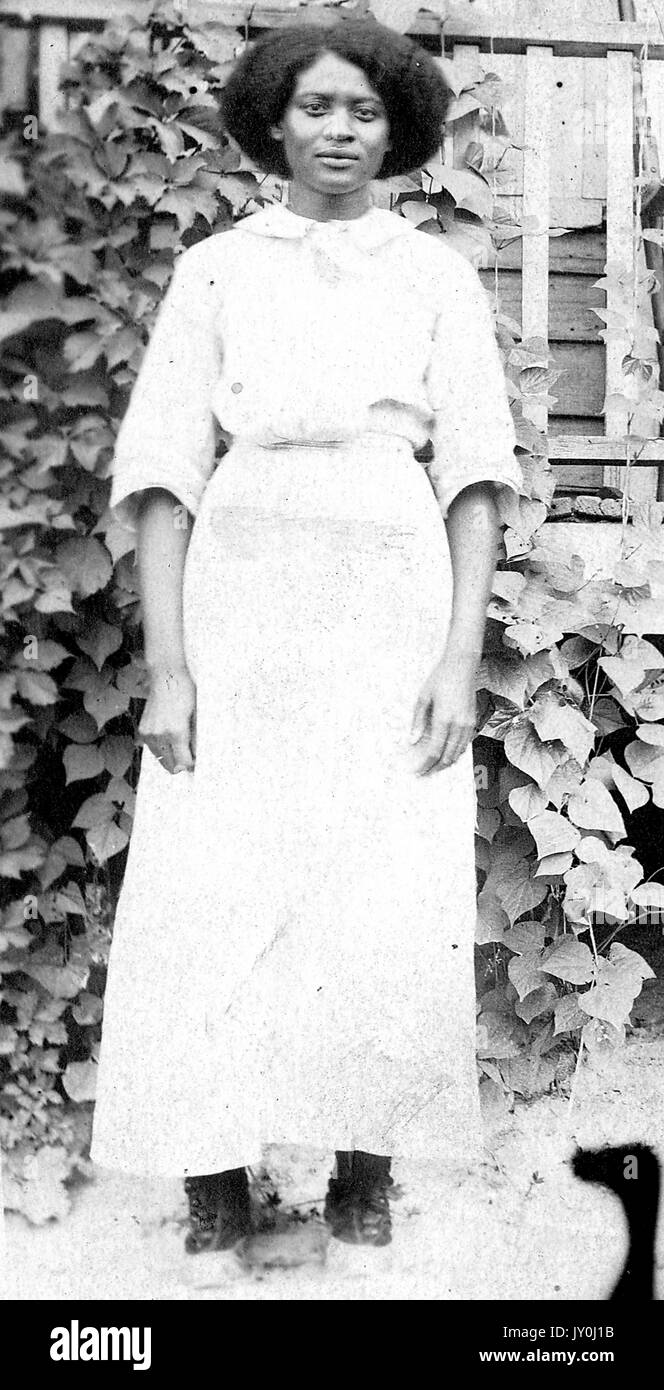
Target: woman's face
x=335 y=130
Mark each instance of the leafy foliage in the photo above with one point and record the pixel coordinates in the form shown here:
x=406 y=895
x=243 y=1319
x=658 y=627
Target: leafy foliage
x=570 y=691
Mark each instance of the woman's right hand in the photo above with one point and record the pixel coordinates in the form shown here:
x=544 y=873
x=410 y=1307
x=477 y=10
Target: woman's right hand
x=167 y=727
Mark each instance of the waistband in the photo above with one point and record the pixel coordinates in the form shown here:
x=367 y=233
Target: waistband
x=368 y=439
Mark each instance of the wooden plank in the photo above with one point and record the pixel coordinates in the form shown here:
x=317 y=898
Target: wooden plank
x=562 y=425
x=536 y=192
x=567 y=131
x=587 y=477
x=619 y=218
x=581 y=388
x=571 y=300
x=602 y=449
x=14 y=64
x=53 y=55
x=593 y=184
x=642 y=483
x=581 y=252
x=584 y=38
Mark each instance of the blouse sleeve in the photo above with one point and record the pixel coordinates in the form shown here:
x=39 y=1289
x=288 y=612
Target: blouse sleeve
x=473 y=433
x=167 y=437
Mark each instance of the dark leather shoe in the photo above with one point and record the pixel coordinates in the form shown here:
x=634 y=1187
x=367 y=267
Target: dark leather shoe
x=219 y=1210
x=357 y=1207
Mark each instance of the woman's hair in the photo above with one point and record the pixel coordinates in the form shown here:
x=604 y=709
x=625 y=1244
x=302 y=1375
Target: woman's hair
x=409 y=82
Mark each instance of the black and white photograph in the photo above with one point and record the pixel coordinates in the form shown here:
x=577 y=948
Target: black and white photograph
x=332 y=687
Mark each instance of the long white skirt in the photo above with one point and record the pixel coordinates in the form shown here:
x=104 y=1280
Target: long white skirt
x=293 y=951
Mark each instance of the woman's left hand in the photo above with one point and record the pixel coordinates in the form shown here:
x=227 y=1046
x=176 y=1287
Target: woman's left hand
x=445 y=715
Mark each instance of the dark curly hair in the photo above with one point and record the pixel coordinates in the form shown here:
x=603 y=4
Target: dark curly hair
x=409 y=82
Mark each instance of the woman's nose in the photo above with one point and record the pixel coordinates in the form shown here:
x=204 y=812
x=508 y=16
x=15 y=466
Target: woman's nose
x=338 y=123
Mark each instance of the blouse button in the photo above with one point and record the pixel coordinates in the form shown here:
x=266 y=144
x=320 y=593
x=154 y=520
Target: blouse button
x=237 y=386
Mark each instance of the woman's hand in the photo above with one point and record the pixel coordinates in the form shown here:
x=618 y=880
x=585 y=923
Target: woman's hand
x=444 y=717
x=167 y=727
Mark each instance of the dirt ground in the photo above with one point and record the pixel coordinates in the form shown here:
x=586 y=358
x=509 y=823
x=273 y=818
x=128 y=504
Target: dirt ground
x=516 y=1226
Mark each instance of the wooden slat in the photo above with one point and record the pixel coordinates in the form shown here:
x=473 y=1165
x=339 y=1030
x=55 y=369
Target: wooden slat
x=619 y=218
x=571 y=300
x=600 y=449
x=507 y=35
x=563 y=425
x=620 y=250
x=14 y=62
x=53 y=54
x=583 y=477
x=536 y=185
x=594 y=128
x=581 y=387
x=579 y=253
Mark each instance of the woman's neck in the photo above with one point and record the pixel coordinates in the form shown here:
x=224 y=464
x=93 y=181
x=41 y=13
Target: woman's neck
x=323 y=207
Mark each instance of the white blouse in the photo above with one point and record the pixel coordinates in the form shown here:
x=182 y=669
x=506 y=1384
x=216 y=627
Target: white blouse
x=288 y=329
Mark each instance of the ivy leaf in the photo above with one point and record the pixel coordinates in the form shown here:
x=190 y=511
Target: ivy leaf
x=553 y=833
x=186 y=204
x=497 y=1035
x=508 y=585
x=70 y=900
x=492 y=919
x=104 y=703
x=97 y=810
x=612 y=997
x=634 y=793
x=553 y=865
x=527 y=752
x=120 y=793
x=649 y=895
x=118 y=753
x=525 y=937
x=468 y=189
x=65 y=981
x=99 y=641
x=569 y=960
x=86 y=564
x=651 y=733
x=504 y=676
x=525 y=974
x=79 y=727
x=593 y=808
x=510 y=880
x=540 y=1001
x=47 y=655
x=106 y=840
x=568 y=1017
x=87 y=1009
x=82 y=761
x=555 y=720
x=37 y=687
x=80 y=1081
x=626 y=675
x=527 y=801
x=646 y=761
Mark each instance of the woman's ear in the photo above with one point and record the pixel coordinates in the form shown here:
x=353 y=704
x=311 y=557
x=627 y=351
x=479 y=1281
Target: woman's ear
x=276 y=132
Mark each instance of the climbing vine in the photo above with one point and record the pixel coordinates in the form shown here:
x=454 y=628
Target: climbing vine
x=571 y=696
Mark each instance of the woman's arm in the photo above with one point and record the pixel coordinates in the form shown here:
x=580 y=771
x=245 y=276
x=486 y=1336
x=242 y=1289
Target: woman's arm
x=444 y=719
x=167 y=725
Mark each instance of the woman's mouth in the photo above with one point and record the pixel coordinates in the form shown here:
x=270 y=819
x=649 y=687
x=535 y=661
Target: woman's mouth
x=337 y=161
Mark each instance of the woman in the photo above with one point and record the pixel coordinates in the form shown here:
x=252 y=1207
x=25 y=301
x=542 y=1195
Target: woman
x=292 y=960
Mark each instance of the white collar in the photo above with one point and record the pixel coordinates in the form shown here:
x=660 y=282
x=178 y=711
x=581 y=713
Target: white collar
x=372 y=228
